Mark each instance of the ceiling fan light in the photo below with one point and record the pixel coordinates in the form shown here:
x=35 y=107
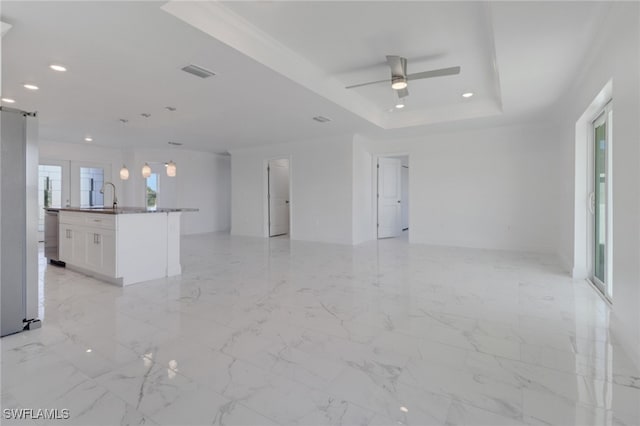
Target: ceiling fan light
x=146 y=170
x=400 y=104
x=399 y=83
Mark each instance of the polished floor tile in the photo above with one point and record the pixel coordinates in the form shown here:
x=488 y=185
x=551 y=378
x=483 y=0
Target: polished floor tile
x=280 y=332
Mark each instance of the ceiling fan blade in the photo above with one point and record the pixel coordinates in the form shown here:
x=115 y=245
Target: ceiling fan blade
x=398 y=65
x=434 y=73
x=367 y=84
x=402 y=93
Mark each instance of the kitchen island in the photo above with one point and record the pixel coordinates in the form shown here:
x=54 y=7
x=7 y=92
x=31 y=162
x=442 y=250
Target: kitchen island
x=123 y=245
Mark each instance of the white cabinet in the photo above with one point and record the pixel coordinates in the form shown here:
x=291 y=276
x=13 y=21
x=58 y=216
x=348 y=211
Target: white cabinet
x=89 y=242
x=100 y=247
x=121 y=248
x=66 y=243
x=93 y=247
x=72 y=245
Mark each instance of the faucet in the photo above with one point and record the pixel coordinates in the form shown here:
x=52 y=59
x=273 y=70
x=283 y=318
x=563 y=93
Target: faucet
x=115 y=199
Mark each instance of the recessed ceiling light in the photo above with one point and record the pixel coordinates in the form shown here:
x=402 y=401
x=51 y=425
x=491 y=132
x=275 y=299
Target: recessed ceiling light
x=467 y=94
x=57 y=67
x=8 y=100
x=89 y=351
x=400 y=104
x=30 y=86
x=88 y=139
x=404 y=409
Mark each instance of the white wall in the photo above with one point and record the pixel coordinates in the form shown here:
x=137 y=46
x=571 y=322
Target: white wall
x=491 y=188
x=614 y=57
x=202 y=181
x=321 y=184
x=363 y=215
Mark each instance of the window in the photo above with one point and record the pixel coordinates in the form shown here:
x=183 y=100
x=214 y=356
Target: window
x=91 y=181
x=152 y=191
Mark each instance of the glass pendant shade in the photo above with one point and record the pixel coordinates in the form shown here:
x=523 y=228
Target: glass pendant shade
x=171 y=169
x=124 y=173
x=146 y=171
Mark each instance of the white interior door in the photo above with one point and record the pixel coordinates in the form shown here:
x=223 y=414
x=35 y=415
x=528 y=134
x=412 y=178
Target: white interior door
x=389 y=197
x=278 y=175
x=405 y=198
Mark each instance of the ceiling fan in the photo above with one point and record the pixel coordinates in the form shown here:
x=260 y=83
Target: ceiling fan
x=399 y=77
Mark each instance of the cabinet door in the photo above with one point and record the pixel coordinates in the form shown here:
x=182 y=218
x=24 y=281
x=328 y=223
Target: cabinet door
x=65 y=241
x=72 y=245
x=78 y=246
x=101 y=251
x=93 y=253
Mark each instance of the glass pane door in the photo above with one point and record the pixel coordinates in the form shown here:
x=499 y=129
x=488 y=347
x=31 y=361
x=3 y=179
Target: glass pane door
x=91 y=182
x=600 y=201
x=601 y=204
x=49 y=190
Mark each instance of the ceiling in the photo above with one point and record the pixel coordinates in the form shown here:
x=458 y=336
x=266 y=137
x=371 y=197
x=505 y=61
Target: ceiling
x=278 y=64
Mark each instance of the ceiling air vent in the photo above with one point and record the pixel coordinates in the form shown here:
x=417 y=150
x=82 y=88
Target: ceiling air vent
x=198 y=71
x=321 y=119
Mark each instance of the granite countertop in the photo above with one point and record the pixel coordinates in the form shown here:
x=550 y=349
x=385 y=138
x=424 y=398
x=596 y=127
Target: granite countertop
x=118 y=210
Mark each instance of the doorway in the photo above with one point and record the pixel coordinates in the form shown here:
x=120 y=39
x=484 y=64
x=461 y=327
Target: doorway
x=600 y=203
x=278 y=189
x=392 y=207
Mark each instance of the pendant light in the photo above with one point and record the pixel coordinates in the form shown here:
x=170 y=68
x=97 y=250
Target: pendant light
x=146 y=170
x=124 y=173
x=171 y=169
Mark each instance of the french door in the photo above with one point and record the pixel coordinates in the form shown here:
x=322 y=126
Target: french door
x=600 y=203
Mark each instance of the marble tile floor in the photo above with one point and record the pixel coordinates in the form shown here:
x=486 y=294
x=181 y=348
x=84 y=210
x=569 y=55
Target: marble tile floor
x=280 y=332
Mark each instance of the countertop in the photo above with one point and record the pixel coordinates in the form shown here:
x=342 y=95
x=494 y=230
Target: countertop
x=118 y=210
